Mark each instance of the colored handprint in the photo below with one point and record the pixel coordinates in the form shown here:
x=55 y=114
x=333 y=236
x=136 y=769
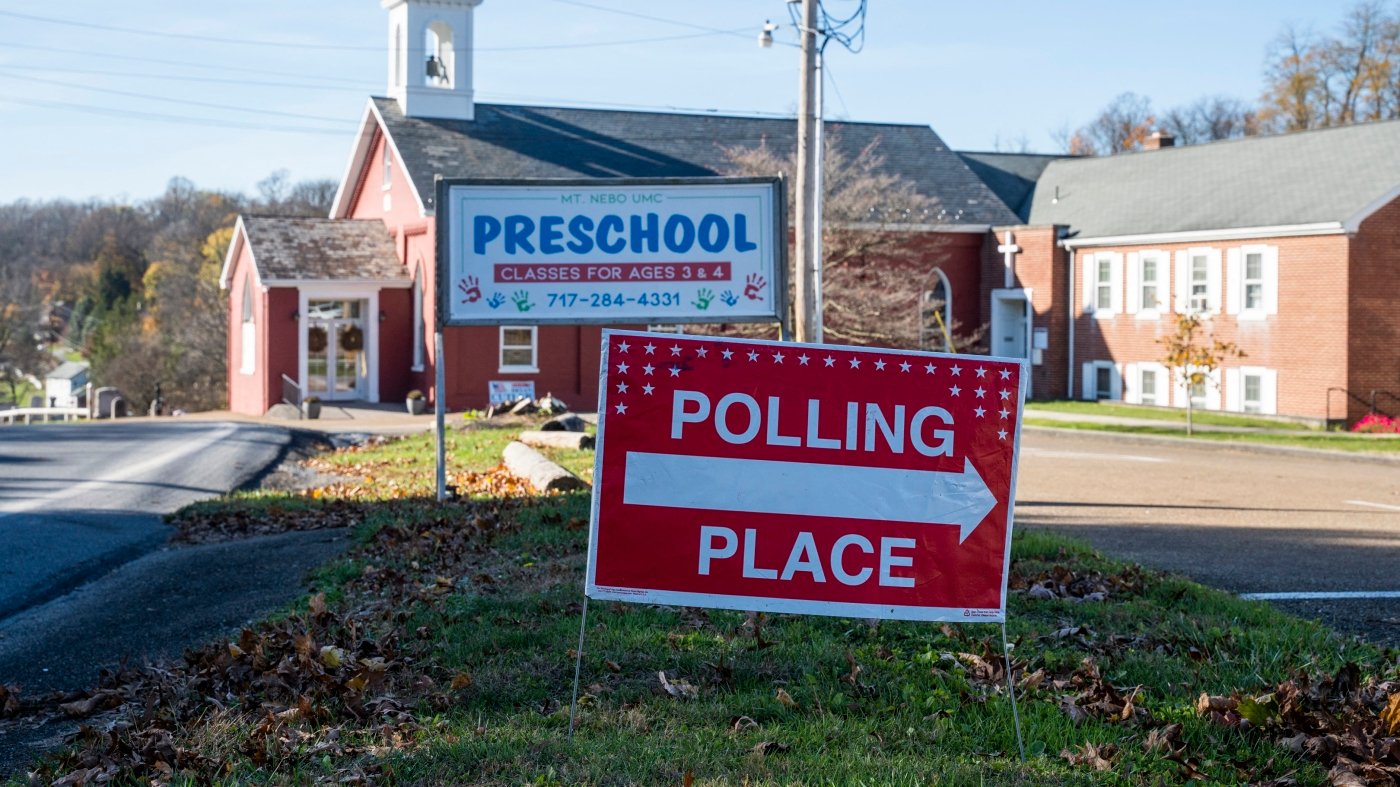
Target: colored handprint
x=754 y=288
x=470 y=288
x=495 y=300
x=729 y=298
x=703 y=299
x=521 y=299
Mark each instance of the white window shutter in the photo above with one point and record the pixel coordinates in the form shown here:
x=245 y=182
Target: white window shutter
x=1091 y=272
x=1234 y=390
x=1183 y=283
x=1271 y=281
x=1213 y=281
x=1213 y=390
x=1116 y=391
x=1089 y=390
x=1134 y=279
x=1180 y=392
x=1132 y=382
x=1268 y=390
x=1234 y=276
x=1115 y=279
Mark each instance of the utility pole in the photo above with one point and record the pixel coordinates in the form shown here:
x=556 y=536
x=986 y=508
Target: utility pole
x=808 y=281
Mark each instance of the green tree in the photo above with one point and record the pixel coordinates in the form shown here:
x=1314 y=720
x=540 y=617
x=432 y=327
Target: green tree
x=1192 y=356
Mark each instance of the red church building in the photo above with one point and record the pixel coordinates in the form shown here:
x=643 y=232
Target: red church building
x=1289 y=244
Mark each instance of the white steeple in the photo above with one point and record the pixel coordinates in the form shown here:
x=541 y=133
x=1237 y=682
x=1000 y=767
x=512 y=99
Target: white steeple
x=430 y=57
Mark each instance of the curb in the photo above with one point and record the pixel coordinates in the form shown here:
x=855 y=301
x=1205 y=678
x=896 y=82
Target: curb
x=1241 y=446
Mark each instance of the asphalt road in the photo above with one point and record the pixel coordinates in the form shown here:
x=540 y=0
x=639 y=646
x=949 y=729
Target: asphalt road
x=1242 y=520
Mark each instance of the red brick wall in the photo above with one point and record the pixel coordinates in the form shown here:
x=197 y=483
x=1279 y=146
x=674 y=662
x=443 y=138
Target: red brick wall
x=1374 y=311
x=395 y=344
x=1306 y=342
x=1040 y=267
x=282 y=335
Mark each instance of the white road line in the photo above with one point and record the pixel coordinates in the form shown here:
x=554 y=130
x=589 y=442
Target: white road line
x=1386 y=506
x=127 y=473
x=1052 y=454
x=1321 y=595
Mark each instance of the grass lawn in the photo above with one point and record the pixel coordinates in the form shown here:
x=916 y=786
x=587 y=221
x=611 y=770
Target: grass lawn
x=441 y=651
x=1328 y=441
x=1171 y=414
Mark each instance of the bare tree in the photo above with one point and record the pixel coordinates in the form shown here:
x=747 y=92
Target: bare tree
x=1210 y=119
x=1123 y=125
x=874 y=266
x=1314 y=81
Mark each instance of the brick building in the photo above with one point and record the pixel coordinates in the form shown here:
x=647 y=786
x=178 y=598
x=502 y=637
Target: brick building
x=1288 y=243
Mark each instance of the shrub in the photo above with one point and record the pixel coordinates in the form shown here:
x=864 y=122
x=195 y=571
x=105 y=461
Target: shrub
x=1375 y=423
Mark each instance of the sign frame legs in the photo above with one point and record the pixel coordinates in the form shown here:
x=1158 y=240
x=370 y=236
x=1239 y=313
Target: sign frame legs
x=440 y=413
x=578 y=665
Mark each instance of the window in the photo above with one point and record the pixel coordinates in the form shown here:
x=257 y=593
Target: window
x=1197 y=389
x=1199 y=283
x=1103 y=382
x=1251 y=389
x=1253 y=281
x=438 y=44
x=1253 y=400
x=1148 y=386
x=398 y=55
x=248 y=342
x=1150 y=279
x=1103 y=284
x=936 y=313
x=518 y=348
x=388 y=166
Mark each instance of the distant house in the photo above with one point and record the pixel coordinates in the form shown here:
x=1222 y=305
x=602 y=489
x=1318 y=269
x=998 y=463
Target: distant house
x=65 y=386
x=1289 y=244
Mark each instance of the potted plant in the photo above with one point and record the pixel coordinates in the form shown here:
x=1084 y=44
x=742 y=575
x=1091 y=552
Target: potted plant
x=311 y=407
x=416 y=403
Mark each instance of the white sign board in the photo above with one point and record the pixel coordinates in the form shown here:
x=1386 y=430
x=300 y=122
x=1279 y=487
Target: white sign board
x=654 y=251
x=502 y=391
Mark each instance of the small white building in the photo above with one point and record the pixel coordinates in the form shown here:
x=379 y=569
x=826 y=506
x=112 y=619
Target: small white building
x=64 y=386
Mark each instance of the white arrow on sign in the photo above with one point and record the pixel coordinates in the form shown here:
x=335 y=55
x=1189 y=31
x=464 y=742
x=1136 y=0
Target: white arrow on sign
x=806 y=489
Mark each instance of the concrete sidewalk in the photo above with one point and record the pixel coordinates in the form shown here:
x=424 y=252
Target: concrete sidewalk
x=1117 y=420
x=339 y=418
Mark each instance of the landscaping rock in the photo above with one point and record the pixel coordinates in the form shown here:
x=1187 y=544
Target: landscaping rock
x=568 y=422
x=543 y=475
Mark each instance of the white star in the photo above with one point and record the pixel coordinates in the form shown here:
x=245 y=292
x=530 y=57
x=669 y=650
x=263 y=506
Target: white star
x=648 y=368
x=675 y=349
x=1001 y=434
x=802 y=359
x=621 y=408
x=650 y=348
x=981 y=371
x=1005 y=412
x=956 y=391
x=981 y=411
x=1006 y=374
x=624 y=347
x=675 y=371
x=702 y=351
x=829 y=361
x=648 y=388
x=777 y=357
x=904 y=366
x=622 y=368
x=753 y=356
x=980 y=392
x=855 y=363
x=727 y=354
x=928 y=369
x=1005 y=394
x=880 y=364
x=622 y=387
x=957 y=370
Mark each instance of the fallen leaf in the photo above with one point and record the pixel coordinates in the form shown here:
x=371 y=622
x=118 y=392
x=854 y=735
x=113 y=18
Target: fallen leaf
x=786 y=699
x=1391 y=715
x=680 y=689
x=461 y=681
x=770 y=747
x=612 y=666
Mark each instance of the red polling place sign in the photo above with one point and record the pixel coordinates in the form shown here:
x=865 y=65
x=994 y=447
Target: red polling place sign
x=812 y=479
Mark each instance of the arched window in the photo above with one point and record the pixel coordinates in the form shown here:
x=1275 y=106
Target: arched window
x=388 y=166
x=398 y=55
x=248 y=337
x=418 y=317
x=936 y=312
x=440 y=66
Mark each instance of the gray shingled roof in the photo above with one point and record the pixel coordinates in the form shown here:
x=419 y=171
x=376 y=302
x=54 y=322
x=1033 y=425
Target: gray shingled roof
x=313 y=249
x=1011 y=176
x=1303 y=178
x=551 y=142
x=68 y=370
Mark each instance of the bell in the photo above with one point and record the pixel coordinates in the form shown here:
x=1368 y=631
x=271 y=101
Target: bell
x=435 y=68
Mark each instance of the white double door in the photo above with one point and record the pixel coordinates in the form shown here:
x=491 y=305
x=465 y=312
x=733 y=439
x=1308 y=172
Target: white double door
x=337 y=359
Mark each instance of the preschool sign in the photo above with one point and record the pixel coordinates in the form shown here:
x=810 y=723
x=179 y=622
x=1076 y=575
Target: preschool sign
x=800 y=478
x=651 y=251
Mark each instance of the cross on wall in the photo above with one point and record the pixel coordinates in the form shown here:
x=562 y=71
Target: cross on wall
x=1009 y=250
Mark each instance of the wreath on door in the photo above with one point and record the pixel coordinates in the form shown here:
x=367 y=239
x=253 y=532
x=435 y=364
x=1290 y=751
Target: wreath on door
x=316 y=340
x=352 y=339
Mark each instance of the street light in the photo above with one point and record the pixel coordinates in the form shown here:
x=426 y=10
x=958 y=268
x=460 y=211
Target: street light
x=813 y=22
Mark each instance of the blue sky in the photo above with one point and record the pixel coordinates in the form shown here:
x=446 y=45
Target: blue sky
x=93 y=104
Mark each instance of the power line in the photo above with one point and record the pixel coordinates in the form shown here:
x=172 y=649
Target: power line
x=180 y=78
x=181 y=63
x=181 y=119
x=648 y=17
x=167 y=99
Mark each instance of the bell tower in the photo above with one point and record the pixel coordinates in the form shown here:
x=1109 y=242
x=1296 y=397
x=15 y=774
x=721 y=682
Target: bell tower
x=430 y=57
